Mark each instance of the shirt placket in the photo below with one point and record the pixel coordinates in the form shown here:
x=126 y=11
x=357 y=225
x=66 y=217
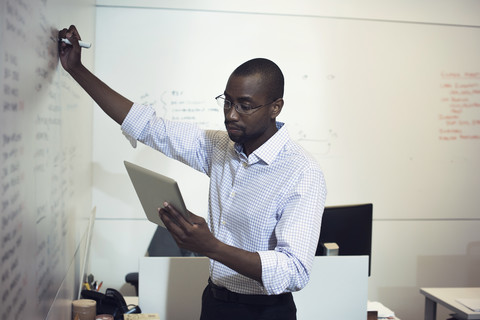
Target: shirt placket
x=229 y=204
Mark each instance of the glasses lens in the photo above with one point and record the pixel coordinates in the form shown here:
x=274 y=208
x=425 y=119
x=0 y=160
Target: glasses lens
x=226 y=104
x=222 y=102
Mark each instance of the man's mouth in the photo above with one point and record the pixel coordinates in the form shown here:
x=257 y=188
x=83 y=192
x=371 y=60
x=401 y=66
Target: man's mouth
x=233 y=128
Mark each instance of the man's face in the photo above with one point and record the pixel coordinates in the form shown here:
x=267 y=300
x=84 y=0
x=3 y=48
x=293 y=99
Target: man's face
x=251 y=130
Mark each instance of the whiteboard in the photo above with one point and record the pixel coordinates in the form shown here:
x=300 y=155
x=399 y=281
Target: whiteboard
x=45 y=152
x=389 y=109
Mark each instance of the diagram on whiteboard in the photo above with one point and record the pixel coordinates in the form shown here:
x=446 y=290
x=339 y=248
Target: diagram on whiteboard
x=319 y=143
x=180 y=105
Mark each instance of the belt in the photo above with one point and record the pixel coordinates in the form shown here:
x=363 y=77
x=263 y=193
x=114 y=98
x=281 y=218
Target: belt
x=226 y=295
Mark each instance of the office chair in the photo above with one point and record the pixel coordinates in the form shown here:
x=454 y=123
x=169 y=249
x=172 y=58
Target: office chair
x=161 y=245
x=350 y=227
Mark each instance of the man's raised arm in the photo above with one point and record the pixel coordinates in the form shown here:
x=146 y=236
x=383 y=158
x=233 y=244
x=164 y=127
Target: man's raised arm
x=114 y=104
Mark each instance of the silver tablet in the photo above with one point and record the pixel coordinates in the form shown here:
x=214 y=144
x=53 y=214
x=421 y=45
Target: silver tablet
x=153 y=189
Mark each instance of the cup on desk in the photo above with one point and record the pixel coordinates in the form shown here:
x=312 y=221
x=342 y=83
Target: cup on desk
x=84 y=309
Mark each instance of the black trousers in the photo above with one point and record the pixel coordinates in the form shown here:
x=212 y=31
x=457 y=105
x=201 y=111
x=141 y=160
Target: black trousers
x=221 y=304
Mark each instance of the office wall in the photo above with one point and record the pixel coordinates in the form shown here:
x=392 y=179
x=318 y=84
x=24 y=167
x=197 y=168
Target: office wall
x=385 y=97
x=390 y=109
x=45 y=166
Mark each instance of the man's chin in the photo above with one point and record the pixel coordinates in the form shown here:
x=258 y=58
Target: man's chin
x=235 y=138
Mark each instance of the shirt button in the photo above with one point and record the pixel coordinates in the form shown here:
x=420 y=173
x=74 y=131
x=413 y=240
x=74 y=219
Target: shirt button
x=223 y=222
x=245 y=164
x=232 y=194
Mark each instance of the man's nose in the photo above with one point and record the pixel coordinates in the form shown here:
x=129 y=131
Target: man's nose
x=231 y=113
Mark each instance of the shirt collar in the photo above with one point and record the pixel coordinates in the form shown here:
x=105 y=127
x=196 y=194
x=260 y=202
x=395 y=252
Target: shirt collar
x=268 y=151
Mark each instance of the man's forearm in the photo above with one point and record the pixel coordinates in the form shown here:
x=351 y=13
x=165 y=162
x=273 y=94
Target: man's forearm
x=244 y=262
x=114 y=104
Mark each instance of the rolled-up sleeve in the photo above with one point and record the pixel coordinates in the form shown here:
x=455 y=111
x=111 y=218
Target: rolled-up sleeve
x=135 y=122
x=180 y=141
x=288 y=266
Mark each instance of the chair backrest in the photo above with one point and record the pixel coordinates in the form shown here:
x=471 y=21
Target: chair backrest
x=163 y=245
x=350 y=227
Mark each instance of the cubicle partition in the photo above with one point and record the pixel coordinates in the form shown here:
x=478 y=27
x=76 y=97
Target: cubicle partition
x=173 y=286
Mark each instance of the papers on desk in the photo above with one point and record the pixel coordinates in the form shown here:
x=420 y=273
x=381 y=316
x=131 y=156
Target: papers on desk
x=141 y=316
x=471 y=303
x=383 y=312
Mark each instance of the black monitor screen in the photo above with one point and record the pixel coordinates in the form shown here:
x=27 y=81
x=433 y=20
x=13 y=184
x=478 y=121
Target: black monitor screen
x=350 y=227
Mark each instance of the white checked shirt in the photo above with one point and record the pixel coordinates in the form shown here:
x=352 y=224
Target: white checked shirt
x=270 y=202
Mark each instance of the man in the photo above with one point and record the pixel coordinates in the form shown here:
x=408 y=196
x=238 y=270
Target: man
x=266 y=194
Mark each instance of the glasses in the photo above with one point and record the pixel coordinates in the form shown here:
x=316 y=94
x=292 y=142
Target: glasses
x=240 y=108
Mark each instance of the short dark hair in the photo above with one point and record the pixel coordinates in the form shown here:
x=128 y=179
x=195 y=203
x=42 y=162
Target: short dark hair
x=270 y=73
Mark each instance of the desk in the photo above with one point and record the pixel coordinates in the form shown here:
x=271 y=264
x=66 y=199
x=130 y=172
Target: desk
x=446 y=297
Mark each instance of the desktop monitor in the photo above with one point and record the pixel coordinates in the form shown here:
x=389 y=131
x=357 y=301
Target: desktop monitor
x=350 y=227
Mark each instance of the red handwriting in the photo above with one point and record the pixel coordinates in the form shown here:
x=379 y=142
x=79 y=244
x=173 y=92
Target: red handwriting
x=459 y=117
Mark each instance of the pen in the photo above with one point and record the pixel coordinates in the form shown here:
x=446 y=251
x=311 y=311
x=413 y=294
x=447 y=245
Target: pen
x=99 y=286
x=82 y=44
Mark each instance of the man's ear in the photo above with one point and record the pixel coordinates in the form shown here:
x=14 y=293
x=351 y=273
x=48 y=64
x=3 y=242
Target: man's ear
x=277 y=106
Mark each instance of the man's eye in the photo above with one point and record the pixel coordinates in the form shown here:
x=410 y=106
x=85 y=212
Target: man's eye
x=245 y=107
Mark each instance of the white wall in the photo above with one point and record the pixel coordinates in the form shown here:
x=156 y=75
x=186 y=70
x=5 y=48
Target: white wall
x=374 y=69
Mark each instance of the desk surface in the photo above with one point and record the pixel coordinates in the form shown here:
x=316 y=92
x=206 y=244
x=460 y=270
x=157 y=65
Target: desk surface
x=447 y=297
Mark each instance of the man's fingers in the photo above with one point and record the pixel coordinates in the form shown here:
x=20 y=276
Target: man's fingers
x=177 y=215
x=170 y=223
x=74 y=32
x=62 y=33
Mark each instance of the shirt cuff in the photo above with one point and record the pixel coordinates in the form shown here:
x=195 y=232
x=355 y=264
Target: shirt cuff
x=136 y=119
x=270 y=277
